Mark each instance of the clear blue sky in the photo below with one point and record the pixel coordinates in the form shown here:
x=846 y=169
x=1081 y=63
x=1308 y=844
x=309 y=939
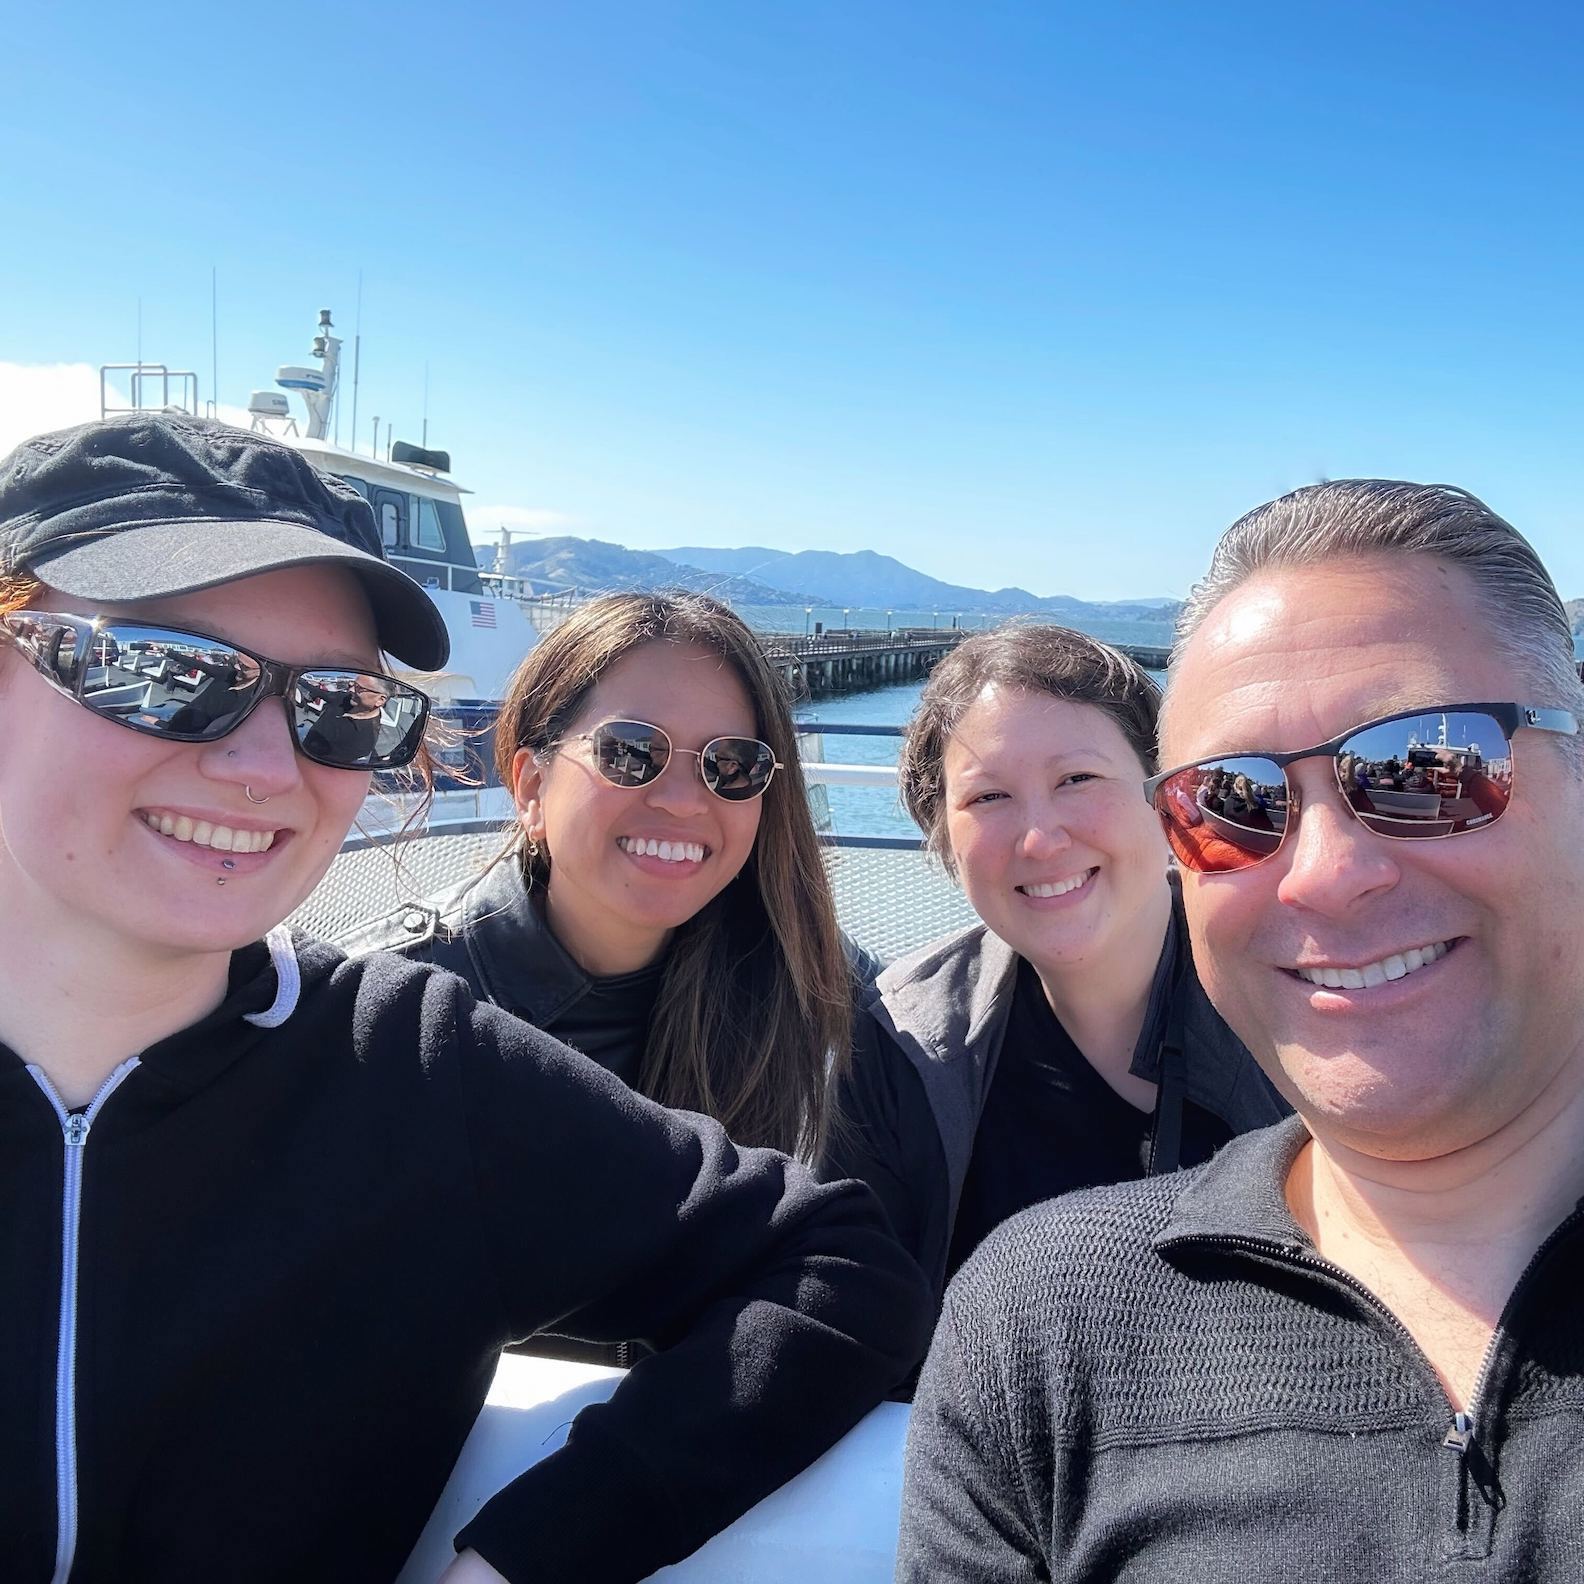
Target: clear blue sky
x=1021 y=293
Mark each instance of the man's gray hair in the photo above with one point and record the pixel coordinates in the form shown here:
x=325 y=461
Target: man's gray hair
x=1360 y=517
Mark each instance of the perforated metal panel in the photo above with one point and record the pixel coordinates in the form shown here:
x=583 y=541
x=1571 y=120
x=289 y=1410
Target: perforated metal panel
x=371 y=882
x=893 y=901
x=888 y=901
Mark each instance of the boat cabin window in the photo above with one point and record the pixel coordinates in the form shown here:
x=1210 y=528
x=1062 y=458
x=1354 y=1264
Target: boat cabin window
x=418 y=532
x=431 y=536
x=391 y=507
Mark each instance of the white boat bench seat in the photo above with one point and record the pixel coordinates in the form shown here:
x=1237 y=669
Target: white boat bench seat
x=837 y=1521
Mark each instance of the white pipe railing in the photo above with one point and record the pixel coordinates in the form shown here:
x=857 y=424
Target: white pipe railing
x=850 y=775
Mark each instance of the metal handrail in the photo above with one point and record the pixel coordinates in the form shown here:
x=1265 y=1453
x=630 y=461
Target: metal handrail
x=480 y=827
x=186 y=387
x=798 y=647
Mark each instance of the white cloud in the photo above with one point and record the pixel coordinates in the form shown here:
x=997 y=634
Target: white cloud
x=37 y=397
x=485 y=522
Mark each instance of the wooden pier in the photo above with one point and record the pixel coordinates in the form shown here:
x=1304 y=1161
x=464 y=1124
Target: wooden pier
x=836 y=660
x=1151 y=656
x=852 y=661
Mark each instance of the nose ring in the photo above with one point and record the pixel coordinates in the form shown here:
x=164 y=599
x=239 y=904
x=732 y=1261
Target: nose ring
x=251 y=799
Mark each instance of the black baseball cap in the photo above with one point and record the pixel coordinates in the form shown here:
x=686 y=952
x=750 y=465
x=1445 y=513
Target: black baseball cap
x=149 y=504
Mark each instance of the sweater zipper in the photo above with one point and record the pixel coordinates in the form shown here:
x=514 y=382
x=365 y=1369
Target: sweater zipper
x=75 y=1127
x=1461 y=1434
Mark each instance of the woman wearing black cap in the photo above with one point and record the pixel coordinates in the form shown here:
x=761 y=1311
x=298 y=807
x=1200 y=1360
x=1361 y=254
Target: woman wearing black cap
x=270 y=1215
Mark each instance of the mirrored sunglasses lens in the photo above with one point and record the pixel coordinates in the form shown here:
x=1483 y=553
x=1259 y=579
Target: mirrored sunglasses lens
x=1224 y=814
x=167 y=682
x=736 y=768
x=629 y=753
x=1436 y=774
x=357 y=720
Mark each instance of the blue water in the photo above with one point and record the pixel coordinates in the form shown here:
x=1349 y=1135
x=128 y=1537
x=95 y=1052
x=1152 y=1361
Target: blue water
x=868 y=811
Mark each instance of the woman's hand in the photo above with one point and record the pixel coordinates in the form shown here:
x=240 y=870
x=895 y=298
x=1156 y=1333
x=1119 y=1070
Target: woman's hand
x=471 y=1568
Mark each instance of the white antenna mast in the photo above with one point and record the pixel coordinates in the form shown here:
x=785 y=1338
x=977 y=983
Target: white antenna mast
x=316 y=386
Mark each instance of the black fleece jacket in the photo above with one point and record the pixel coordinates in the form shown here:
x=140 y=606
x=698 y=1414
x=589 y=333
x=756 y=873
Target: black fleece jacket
x=490 y=930
x=926 y=1047
x=1162 y=1381
x=305 y=1238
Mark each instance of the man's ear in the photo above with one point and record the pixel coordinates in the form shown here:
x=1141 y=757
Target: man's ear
x=528 y=794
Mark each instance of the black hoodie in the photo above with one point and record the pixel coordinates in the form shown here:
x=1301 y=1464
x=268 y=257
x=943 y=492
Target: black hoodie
x=307 y=1226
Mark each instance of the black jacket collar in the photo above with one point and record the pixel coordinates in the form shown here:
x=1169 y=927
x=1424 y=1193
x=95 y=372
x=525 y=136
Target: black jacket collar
x=516 y=961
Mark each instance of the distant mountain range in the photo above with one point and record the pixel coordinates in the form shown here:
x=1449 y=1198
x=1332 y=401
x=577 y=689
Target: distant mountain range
x=859 y=579
x=863 y=577
x=757 y=576
x=593 y=565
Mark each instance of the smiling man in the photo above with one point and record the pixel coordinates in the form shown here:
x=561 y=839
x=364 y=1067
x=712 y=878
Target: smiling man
x=1347 y=1347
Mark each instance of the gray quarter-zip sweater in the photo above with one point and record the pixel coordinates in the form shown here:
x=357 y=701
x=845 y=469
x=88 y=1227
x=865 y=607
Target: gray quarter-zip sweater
x=1163 y=1380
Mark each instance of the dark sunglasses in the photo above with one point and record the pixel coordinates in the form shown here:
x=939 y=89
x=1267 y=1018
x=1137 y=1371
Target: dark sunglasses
x=189 y=687
x=1421 y=775
x=634 y=753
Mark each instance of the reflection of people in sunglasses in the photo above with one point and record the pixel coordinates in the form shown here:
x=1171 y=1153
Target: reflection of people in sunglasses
x=1247 y=805
x=349 y=720
x=732 y=780
x=1311 y=1310
x=203 y=688
x=1029 y=1056
x=316 y=1195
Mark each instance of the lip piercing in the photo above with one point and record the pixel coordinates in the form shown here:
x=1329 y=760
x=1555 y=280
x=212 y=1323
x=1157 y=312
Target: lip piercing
x=230 y=753
x=228 y=863
x=251 y=799
x=219 y=882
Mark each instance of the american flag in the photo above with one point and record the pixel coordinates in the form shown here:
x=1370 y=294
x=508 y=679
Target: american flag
x=483 y=612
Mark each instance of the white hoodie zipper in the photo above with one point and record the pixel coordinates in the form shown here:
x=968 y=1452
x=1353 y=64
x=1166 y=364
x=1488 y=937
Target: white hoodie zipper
x=74 y=1128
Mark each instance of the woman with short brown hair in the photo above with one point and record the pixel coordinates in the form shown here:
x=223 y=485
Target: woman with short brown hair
x=1064 y=1040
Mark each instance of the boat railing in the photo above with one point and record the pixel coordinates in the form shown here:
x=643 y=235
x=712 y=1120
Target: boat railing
x=826 y=772
x=847 y=640
x=151 y=387
x=891 y=895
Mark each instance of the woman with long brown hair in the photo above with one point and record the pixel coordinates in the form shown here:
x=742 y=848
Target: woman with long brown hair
x=663 y=906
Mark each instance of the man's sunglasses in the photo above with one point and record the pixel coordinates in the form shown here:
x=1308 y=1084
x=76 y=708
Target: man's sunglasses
x=189 y=687
x=1418 y=776
x=634 y=753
